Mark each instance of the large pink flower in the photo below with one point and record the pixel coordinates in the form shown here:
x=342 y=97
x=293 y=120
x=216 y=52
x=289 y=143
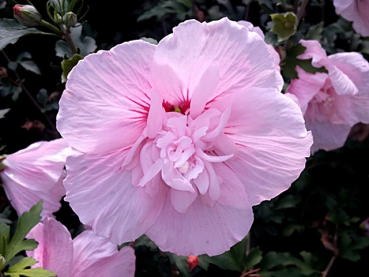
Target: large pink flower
x=179 y=140
x=356 y=11
x=35 y=173
x=86 y=255
x=332 y=103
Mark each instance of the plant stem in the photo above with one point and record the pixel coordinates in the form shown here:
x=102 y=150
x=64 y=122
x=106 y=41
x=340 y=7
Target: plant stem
x=51 y=27
x=51 y=124
x=70 y=42
x=248 y=244
x=300 y=11
x=326 y=270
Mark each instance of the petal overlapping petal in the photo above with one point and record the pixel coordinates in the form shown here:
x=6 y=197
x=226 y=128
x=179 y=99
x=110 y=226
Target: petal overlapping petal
x=335 y=101
x=121 y=211
x=196 y=231
x=98 y=257
x=36 y=173
x=110 y=104
x=269 y=133
x=55 y=248
x=182 y=58
x=305 y=87
x=328 y=136
x=356 y=11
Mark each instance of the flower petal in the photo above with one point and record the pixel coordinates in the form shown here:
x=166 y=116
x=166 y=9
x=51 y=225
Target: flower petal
x=99 y=257
x=204 y=90
x=36 y=173
x=328 y=136
x=356 y=11
x=113 y=98
x=355 y=67
x=269 y=132
x=201 y=229
x=121 y=211
x=183 y=57
x=55 y=250
x=40 y=165
x=305 y=87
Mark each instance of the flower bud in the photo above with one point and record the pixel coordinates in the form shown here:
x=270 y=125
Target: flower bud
x=70 y=19
x=27 y=15
x=58 y=19
x=2 y=262
x=192 y=261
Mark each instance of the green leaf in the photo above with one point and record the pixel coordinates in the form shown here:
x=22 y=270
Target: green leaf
x=291 y=61
x=4 y=238
x=86 y=45
x=20 y=269
x=349 y=249
x=289 y=201
x=234 y=259
x=253 y=258
x=3 y=112
x=11 y=31
x=285 y=25
x=149 y=40
x=315 y=32
x=186 y=3
x=67 y=66
x=181 y=263
x=279 y=264
x=26 y=222
x=30 y=66
x=289 y=229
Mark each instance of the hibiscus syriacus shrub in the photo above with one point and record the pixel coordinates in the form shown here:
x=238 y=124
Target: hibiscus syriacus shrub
x=184 y=138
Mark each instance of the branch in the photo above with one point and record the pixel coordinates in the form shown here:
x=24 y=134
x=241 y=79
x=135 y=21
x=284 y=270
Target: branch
x=51 y=124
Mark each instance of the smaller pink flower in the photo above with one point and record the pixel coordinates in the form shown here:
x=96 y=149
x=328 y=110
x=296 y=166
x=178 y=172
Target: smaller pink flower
x=335 y=101
x=356 y=11
x=36 y=173
x=86 y=255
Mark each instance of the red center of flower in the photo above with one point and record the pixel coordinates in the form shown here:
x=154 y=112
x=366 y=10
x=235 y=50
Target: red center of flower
x=182 y=107
x=17 y=9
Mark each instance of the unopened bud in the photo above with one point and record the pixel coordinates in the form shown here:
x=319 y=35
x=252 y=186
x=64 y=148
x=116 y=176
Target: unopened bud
x=58 y=19
x=27 y=15
x=192 y=261
x=70 y=19
x=2 y=262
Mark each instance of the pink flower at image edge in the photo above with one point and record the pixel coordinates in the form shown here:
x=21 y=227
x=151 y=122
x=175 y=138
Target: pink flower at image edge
x=86 y=255
x=335 y=101
x=356 y=11
x=180 y=140
x=36 y=173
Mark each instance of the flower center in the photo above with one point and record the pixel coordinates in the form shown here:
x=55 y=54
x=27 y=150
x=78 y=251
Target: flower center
x=182 y=152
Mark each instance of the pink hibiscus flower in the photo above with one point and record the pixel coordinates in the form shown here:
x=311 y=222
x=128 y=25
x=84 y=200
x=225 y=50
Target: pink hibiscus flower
x=356 y=11
x=86 y=255
x=36 y=173
x=335 y=101
x=179 y=140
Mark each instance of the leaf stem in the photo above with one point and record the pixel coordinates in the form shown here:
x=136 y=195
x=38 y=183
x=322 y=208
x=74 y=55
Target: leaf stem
x=51 y=124
x=300 y=12
x=326 y=270
x=51 y=27
x=70 y=42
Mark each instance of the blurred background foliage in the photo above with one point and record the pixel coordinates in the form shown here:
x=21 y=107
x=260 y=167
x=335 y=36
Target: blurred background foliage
x=322 y=219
